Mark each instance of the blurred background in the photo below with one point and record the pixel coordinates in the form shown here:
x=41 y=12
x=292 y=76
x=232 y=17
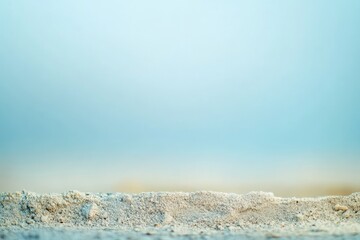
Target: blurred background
x=134 y=96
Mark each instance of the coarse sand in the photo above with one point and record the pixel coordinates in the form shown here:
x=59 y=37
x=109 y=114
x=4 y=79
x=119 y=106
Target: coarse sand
x=177 y=215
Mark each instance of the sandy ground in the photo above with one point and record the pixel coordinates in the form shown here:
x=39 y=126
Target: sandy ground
x=162 y=215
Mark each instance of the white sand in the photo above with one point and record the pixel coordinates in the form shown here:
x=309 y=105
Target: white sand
x=76 y=215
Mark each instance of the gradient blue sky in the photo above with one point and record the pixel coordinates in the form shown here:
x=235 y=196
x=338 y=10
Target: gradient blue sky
x=173 y=78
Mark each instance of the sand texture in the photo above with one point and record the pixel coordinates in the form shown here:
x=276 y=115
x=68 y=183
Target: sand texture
x=166 y=215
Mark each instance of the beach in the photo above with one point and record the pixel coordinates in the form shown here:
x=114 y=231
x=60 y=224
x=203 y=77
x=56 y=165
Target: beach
x=176 y=215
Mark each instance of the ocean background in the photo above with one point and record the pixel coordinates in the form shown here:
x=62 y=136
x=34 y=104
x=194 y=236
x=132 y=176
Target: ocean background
x=187 y=95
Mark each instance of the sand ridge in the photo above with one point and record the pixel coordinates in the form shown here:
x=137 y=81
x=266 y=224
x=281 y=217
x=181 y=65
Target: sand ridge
x=182 y=213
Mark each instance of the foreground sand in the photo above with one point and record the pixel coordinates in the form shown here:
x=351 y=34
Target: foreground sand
x=159 y=215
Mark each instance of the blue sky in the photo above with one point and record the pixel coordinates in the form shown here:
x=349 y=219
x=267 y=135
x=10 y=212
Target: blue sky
x=179 y=77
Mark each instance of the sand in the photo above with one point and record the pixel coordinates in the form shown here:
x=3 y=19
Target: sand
x=168 y=215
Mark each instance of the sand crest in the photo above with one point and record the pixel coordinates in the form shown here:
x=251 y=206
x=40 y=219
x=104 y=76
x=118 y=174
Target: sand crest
x=176 y=215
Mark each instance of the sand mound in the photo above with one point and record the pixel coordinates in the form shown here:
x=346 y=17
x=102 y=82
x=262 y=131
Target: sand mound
x=181 y=213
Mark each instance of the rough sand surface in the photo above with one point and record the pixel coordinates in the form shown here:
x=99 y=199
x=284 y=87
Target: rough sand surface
x=163 y=215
